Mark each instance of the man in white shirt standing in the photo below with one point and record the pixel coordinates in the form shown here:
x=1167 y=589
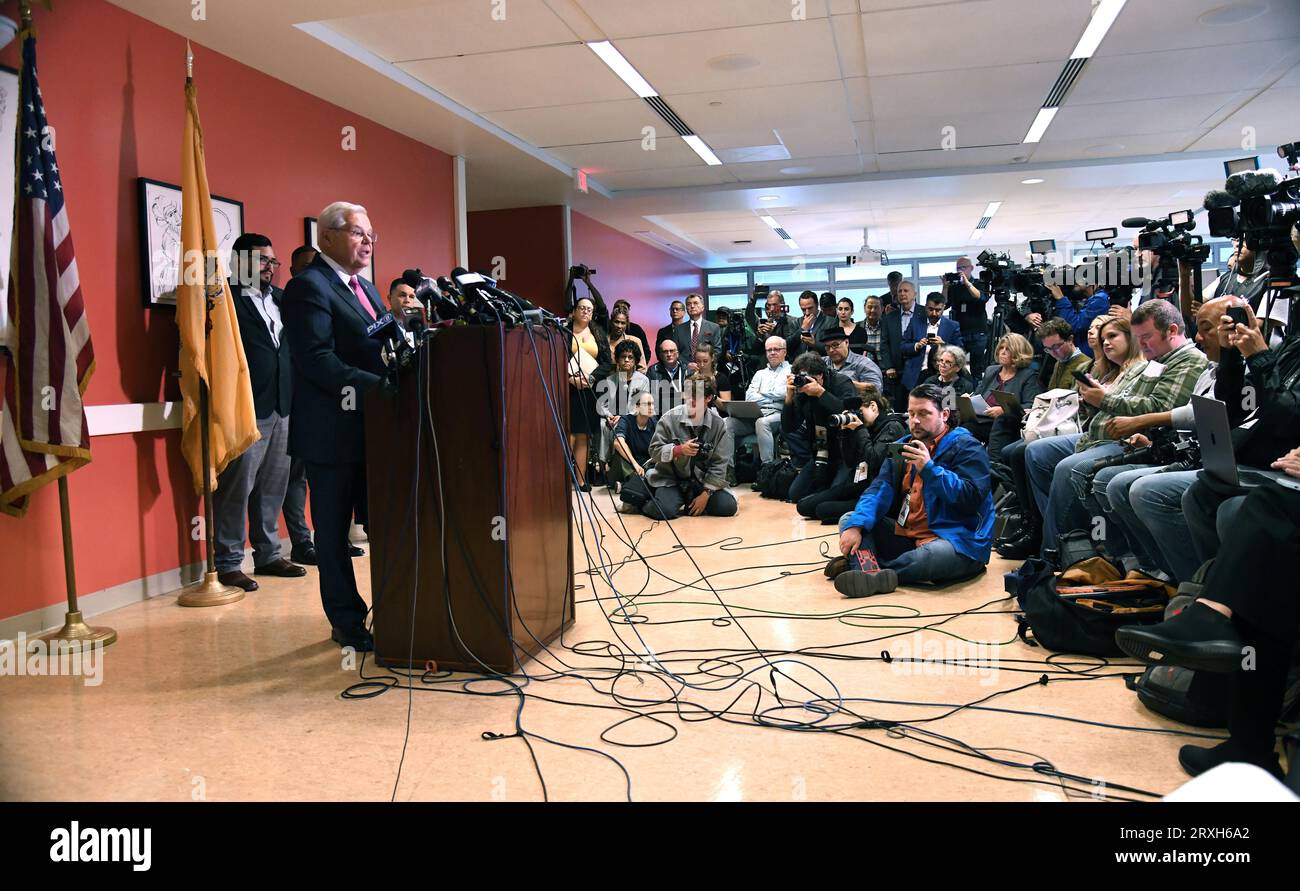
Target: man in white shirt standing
x=253 y=485
x=767 y=388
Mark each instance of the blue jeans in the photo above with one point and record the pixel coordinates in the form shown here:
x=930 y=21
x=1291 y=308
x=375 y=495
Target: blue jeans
x=1050 y=465
x=800 y=443
x=1156 y=501
x=1108 y=498
x=935 y=561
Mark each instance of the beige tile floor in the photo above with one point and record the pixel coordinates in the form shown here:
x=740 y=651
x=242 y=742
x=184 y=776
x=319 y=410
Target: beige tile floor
x=243 y=702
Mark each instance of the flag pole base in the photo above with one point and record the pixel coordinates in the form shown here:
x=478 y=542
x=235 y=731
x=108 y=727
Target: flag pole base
x=76 y=633
x=210 y=592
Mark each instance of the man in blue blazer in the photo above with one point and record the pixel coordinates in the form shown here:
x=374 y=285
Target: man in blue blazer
x=923 y=338
x=326 y=311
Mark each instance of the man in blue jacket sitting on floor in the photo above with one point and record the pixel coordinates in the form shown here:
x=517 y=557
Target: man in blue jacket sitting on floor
x=927 y=516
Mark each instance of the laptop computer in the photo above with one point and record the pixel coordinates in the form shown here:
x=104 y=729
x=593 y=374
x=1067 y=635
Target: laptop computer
x=741 y=409
x=1218 y=458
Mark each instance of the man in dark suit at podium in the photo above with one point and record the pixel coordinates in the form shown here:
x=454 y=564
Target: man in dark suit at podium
x=326 y=310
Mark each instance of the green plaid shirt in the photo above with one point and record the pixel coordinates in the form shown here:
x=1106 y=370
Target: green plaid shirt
x=1138 y=391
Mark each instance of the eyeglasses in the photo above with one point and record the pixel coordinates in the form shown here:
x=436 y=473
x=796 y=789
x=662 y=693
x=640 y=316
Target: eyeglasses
x=272 y=262
x=359 y=234
x=776 y=349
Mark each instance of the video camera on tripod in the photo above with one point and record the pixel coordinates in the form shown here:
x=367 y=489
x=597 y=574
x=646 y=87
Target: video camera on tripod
x=1171 y=240
x=1264 y=211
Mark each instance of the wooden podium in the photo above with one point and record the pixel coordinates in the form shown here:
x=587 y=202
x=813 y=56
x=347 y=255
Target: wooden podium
x=503 y=483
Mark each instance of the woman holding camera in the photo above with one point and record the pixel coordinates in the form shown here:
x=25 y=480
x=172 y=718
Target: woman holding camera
x=863 y=441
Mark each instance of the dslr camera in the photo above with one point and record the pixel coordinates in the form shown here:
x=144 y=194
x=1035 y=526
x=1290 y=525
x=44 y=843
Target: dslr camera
x=801 y=380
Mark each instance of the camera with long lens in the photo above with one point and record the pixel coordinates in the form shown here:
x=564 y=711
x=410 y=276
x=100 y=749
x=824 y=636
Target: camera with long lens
x=1265 y=213
x=1168 y=450
x=581 y=271
x=841 y=419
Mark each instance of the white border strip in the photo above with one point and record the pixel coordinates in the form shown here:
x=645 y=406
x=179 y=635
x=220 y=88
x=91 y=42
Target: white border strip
x=137 y=417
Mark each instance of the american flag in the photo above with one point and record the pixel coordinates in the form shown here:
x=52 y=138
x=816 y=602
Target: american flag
x=43 y=434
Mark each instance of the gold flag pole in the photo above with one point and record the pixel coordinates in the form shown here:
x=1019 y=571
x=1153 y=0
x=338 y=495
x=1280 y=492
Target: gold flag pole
x=75 y=632
x=210 y=591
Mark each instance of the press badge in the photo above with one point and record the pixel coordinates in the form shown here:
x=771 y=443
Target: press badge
x=862 y=473
x=904 y=510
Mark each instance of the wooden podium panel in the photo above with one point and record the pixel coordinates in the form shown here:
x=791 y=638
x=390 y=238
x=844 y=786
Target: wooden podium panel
x=505 y=495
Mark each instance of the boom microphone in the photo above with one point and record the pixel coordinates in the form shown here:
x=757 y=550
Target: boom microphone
x=1135 y=223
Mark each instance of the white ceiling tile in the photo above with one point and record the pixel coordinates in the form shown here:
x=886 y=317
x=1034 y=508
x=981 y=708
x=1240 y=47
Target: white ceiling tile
x=786 y=53
x=939 y=159
x=847 y=32
x=783 y=107
x=1268 y=120
x=975 y=91
x=555 y=75
x=672 y=178
x=1147 y=26
x=814 y=142
x=1051 y=149
x=928 y=132
x=454 y=27
x=623 y=157
x=623 y=19
x=973 y=35
x=844 y=165
x=1117 y=119
x=859 y=98
x=1178 y=73
x=575 y=124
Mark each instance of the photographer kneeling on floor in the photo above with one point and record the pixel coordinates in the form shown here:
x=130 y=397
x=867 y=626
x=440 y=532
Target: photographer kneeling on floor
x=927 y=516
x=692 y=451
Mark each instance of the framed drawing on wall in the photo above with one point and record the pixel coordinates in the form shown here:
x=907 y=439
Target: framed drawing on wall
x=309 y=235
x=160 y=237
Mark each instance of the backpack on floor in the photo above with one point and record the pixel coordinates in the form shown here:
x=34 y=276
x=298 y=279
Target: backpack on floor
x=746 y=466
x=1198 y=698
x=1080 y=619
x=774 y=478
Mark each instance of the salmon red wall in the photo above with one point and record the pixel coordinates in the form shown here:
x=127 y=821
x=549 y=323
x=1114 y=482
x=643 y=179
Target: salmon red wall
x=529 y=241
x=113 y=87
x=648 y=278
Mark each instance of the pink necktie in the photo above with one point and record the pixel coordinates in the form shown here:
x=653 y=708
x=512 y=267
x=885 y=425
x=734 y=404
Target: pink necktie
x=361 y=297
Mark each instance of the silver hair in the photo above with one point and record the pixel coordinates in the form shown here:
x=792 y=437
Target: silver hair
x=335 y=216
x=958 y=356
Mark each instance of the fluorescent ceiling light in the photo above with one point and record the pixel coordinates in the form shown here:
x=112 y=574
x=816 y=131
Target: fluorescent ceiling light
x=769 y=197
x=698 y=146
x=771 y=221
x=1040 y=124
x=623 y=68
x=992 y=208
x=1103 y=17
x=977 y=235
x=1030 y=182
x=791 y=243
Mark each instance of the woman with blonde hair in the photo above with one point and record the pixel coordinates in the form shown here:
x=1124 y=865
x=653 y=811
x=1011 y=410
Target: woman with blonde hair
x=1015 y=373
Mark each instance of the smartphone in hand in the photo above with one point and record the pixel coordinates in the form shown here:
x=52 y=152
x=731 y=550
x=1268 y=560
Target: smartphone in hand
x=1084 y=378
x=1238 y=315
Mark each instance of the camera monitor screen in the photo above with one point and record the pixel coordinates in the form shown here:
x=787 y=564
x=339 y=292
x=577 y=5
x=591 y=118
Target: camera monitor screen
x=1100 y=234
x=1042 y=246
x=1180 y=218
x=1239 y=165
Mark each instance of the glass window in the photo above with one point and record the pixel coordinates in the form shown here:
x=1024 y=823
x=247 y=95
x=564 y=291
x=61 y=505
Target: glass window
x=936 y=269
x=869 y=273
x=807 y=275
x=731 y=301
x=729 y=279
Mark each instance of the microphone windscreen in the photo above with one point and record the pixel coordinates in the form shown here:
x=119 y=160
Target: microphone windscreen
x=1251 y=183
x=1218 y=198
x=1134 y=222
x=459 y=271
x=413 y=277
